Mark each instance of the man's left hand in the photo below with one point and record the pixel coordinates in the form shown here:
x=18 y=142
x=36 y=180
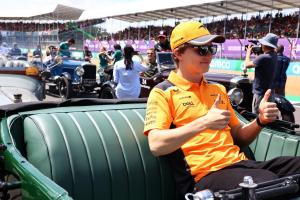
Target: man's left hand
x=268 y=111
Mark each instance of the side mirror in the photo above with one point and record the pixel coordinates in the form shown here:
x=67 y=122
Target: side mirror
x=236 y=96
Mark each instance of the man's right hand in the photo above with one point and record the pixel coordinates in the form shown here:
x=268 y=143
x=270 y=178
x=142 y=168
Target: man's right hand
x=216 y=118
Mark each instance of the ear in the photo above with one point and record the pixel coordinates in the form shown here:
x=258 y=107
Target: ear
x=177 y=54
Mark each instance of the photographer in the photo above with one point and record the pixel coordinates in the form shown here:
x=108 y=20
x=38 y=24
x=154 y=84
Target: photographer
x=265 y=66
x=282 y=66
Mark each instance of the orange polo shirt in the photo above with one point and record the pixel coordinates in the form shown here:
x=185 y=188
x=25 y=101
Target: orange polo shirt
x=178 y=102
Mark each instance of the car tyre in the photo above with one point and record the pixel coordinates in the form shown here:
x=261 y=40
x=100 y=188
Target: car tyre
x=107 y=93
x=64 y=88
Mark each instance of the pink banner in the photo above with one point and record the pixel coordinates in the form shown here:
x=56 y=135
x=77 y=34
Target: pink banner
x=234 y=48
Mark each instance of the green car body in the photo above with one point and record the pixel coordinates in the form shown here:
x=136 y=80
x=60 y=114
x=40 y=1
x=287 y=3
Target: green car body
x=93 y=149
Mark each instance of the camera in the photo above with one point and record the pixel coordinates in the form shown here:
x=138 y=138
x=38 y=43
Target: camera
x=256 y=48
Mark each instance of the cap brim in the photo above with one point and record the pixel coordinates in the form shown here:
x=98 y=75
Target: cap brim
x=207 y=38
x=263 y=42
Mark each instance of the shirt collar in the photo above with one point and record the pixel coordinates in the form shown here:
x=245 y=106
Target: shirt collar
x=183 y=83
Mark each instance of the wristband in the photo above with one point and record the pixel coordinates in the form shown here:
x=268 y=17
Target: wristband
x=259 y=122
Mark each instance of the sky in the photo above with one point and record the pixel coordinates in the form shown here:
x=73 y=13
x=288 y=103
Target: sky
x=93 y=8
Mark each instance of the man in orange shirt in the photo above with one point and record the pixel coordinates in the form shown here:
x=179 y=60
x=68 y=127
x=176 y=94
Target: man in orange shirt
x=192 y=122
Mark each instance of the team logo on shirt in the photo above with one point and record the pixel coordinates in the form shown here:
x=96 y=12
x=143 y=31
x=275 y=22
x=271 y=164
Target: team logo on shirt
x=188 y=103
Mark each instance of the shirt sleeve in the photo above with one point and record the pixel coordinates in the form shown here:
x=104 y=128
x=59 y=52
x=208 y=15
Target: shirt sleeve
x=116 y=74
x=140 y=67
x=259 y=61
x=158 y=112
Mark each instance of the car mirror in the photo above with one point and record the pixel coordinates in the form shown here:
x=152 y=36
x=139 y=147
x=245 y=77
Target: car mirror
x=236 y=96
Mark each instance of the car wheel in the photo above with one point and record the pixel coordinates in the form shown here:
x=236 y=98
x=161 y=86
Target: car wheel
x=107 y=93
x=64 y=88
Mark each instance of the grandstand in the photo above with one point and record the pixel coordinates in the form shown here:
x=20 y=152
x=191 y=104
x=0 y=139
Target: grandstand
x=221 y=17
x=47 y=29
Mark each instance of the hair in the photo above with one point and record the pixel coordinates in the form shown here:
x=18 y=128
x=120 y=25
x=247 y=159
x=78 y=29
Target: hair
x=151 y=49
x=117 y=46
x=128 y=53
x=181 y=49
x=103 y=49
x=71 y=40
x=280 y=48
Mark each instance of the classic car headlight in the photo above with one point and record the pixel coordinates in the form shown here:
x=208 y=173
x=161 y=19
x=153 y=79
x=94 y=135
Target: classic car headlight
x=79 y=70
x=236 y=96
x=32 y=71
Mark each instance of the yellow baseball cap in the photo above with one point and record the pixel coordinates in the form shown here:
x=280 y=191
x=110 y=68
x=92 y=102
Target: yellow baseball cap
x=194 y=33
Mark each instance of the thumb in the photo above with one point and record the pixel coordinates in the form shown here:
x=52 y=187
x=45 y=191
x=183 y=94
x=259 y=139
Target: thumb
x=217 y=101
x=267 y=96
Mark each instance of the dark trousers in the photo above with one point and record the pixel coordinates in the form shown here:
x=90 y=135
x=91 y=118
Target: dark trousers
x=257 y=99
x=230 y=177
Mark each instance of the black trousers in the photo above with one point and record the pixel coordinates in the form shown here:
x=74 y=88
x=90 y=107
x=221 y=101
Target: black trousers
x=230 y=177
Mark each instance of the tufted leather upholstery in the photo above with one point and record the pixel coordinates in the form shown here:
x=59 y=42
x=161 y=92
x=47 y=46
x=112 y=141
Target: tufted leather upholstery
x=97 y=154
x=101 y=152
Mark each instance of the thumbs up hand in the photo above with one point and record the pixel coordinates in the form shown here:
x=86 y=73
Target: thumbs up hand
x=217 y=118
x=268 y=111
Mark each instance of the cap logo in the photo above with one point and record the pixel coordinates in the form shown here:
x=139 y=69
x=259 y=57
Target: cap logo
x=179 y=39
x=202 y=26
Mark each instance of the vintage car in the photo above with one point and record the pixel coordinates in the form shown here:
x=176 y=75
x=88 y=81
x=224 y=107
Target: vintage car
x=71 y=77
x=20 y=81
x=20 y=88
x=88 y=149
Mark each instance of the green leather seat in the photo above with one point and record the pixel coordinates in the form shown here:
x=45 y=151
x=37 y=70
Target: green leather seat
x=101 y=152
x=98 y=154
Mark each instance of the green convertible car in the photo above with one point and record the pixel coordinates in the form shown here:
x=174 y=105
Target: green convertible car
x=91 y=149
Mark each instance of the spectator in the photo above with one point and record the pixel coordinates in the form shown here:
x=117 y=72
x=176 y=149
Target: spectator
x=265 y=66
x=15 y=51
x=163 y=43
x=280 y=75
x=117 y=54
x=37 y=53
x=104 y=58
x=126 y=75
x=64 y=48
x=151 y=63
x=87 y=54
x=51 y=53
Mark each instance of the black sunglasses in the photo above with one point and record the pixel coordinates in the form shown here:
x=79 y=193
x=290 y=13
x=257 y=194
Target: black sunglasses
x=206 y=49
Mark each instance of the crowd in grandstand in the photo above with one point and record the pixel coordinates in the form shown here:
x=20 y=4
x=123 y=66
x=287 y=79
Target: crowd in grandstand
x=283 y=26
x=30 y=26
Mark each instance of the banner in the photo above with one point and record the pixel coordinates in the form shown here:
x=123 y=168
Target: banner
x=139 y=45
x=234 y=48
x=238 y=65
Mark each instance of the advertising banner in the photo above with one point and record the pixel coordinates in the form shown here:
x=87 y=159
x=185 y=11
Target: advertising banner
x=234 y=48
x=238 y=65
